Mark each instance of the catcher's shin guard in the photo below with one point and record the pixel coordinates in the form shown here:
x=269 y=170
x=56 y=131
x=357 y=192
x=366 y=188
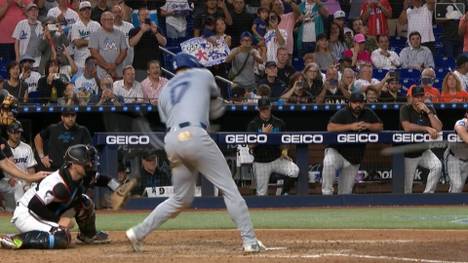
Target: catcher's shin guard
x=86 y=217
x=58 y=238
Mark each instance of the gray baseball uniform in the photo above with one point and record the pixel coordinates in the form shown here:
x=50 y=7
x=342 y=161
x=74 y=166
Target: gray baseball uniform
x=456 y=160
x=184 y=107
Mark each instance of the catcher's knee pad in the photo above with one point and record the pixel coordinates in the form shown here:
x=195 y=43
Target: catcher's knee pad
x=86 y=216
x=57 y=238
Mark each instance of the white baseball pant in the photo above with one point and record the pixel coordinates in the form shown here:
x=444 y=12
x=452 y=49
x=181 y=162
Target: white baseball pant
x=263 y=171
x=25 y=221
x=334 y=162
x=429 y=161
x=11 y=194
x=457 y=172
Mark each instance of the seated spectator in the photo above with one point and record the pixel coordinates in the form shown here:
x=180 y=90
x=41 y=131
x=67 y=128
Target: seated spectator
x=358 y=53
x=393 y=91
x=14 y=85
x=372 y=95
x=375 y=15
x=175 y=12
x=128 y=87
x=347 y=80
x=452 y=90
x=150 y=173
x=274 y=37
x=382 y=58
x=105 y=96
x=311 y=24
x=336 y=41
x=345 y=63
x=87 y=83
x=51 y=86
x=416 y=56
x=339 y=18
x=357 y=25
x=28 y=75
x=154 y=83
x=366 y=80
x=333 y=92
x=271 y=79
x=296 y=92
x=285 y=71
x=323 y=56
x=431 y=94
x=313 y=80
x=462 y=71
x=308 y=58
x=69 y=98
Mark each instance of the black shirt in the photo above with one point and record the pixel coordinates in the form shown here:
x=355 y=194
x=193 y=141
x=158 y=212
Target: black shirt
x=285 y=73
x=97 y=12
x=158 y=178
x=44 y=89
x=240 y=23
x=58 y=139
x=199 y=18
x=146 y=50
x=277 y=88
x=353 y=152
x=386 y=96
x=18 y=91
x=334 y=98
x=264 y=153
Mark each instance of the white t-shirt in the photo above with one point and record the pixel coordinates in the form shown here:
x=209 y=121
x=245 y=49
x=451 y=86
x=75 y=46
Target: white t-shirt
x=272 y=45
x=178 y=22
x=88 y=85
x=81 y=31
x=23 y=156
x=32 y=81
x=125 y=28
x=308 y=33
x=420 y=20
x=71 y=17
x=132 y=95
x=22 y=33
x=361 y=83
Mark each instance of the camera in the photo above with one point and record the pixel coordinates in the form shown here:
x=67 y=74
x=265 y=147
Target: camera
x=56 y=76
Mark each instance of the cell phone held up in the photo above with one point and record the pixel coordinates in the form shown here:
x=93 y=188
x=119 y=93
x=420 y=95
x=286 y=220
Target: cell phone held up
x=147 y=21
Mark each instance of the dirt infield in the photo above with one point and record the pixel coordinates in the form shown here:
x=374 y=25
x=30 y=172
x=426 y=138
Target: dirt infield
x=193 y=246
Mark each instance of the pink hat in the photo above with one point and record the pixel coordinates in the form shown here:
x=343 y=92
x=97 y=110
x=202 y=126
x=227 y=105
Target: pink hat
x=359 y=38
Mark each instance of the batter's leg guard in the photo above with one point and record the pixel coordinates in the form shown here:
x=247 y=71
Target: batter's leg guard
x=58 y=238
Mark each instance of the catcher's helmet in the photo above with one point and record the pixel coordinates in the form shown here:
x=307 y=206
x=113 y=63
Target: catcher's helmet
x=184 y=60
x=85 y=155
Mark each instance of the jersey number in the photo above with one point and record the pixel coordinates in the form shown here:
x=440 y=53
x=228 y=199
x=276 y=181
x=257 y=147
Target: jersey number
x=178 y=91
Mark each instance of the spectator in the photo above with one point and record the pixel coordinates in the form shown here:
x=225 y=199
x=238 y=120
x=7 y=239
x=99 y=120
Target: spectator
x=393 y=91
x=417 y=117
x=214 y=9
x=462 y=71
x=416 y=56
x=146 y=40
x=450 y=37
x=51 y=86
x=80 y=33
x=308 y=58
x=105 y=96
x=358 y=52
x=463 y=31
x=87 y=83
x=277 y=86
x=125 y=28
x=67 y=64
x=28 y=75
x=220 y=32
x=366 y=80
x=336 y=41
x=394 y=27
x=285 y=71
x=53 y=43
x=452 y=90
x=431 y=94
x=313 y=81
x=14 y=85
x=323 y=56
x=270 y=158
x=339 y=18
x=346 y=158
x=27 y=35
x=70 y=98
x=371 y=43
x=419 y=19
x=311 y=25
x=243 y=59
x=175 y=12
x=372 y=95
x=347 y=80
x=151 y=174
x=259 y=25
x=357 y=26
x=11 y=13
x=241 y=21
x=274 y=37
x=108 y=47
x=154 y=83
x=65 y=16
x=456 y=157
x=382 y=58
x=375 y=13
x=333 y=92
x=128 y=87
x=296 y=92
x=99 y=9
x=286 y=21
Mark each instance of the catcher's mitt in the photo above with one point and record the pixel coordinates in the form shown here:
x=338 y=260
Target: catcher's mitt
x=122 y=193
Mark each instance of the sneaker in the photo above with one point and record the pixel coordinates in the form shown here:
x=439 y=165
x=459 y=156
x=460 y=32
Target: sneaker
x=137 y=245
x=101 y=237
x=255 y=247
x=9 y=242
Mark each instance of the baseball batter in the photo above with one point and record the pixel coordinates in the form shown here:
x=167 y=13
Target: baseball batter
x=185 y=107
x=456 y=157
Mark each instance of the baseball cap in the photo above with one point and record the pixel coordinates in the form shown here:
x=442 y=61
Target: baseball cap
x=246 y=34
x=359 y=38
x=26 y=58
x=339 y=14
x=270 y=64
x=15 y=126
x=264 y=102
x=417 y=91
x=356 y=97
x=84 y=4
x=30 y=5
x=462 y=59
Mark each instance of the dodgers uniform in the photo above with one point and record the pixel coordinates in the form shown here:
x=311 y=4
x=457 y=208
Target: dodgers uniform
x=456 y=160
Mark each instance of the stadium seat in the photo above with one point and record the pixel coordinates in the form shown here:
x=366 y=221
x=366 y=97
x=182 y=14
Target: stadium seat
x=441 y=72
x=34 y=97
x=438 y=83
x=379 y=73
x=444 y=62
x=408 y=82
x=298 y=63
x=3 y=67
x=408 y=73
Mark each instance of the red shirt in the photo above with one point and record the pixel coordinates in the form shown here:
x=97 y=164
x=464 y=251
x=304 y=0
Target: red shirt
x=362 y=57
x=377 y=21
x=8 y=22
x=430 y=92
x=460 y=96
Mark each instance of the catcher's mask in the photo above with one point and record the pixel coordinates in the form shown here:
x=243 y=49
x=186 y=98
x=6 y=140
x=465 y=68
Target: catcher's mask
x=85 y=155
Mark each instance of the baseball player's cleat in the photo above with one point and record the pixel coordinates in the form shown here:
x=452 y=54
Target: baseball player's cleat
x=255 y=247
x=101 y=237
x=8 y=242
x=137 y=245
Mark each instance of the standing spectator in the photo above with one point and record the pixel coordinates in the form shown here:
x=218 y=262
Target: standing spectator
x=64 y=15
x=419 y=19
x=375 y=13
x=99 y=9
x=450 y=37
x=452 y=90
x=128 y=87
x=394 y=26
x=51 y=86
x=393 y=91
x=333 y=91
x=286 y=21
x=311 y=25
x=382 y=58
x=463 y=31
x=462 y=71
x=15 y=85
x=125 y=28
x=154 y=83
x=285 y=71
x=416 y=56
x=336 y=41
x=339 y=18
x=175 y=12
x=456 y=157
x=416 y=116
x=241 y=21
x=277 y=86
x=108 y=47
x=88 y=82
x=357 y=25
x=313 y=82
x=28 y=75
x=372 y=95
x=431 y=94
x=11 y=13
x=53 y=43
x=358 y=52
x=347 y=79
x=80 y=33
x=146 y=40
x=260 y=25
x=269 y=158
x=274 y=37
x=323 y=56
x=214 y=9
x=28 y=34
x=346 y=158
x=296 y=92
x=52 y=142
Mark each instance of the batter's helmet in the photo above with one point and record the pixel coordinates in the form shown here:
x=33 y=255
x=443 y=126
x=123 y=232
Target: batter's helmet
x=85 y=155
x=184 y=60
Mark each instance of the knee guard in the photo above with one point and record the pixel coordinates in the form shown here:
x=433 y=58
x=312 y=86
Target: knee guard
x=86 y=216
x=57 y=238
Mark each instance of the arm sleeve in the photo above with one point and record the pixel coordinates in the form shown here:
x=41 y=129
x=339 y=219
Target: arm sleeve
x=86 y=136
x=45 y=133
x=31 y=160
x=40 y=209
x=15 y=34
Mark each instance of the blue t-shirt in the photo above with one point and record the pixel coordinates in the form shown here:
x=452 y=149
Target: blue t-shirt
x=260 y=26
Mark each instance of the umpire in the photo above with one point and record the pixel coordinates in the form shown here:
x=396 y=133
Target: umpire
x=456 y=157
x=346 y=158
x=270 y=158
